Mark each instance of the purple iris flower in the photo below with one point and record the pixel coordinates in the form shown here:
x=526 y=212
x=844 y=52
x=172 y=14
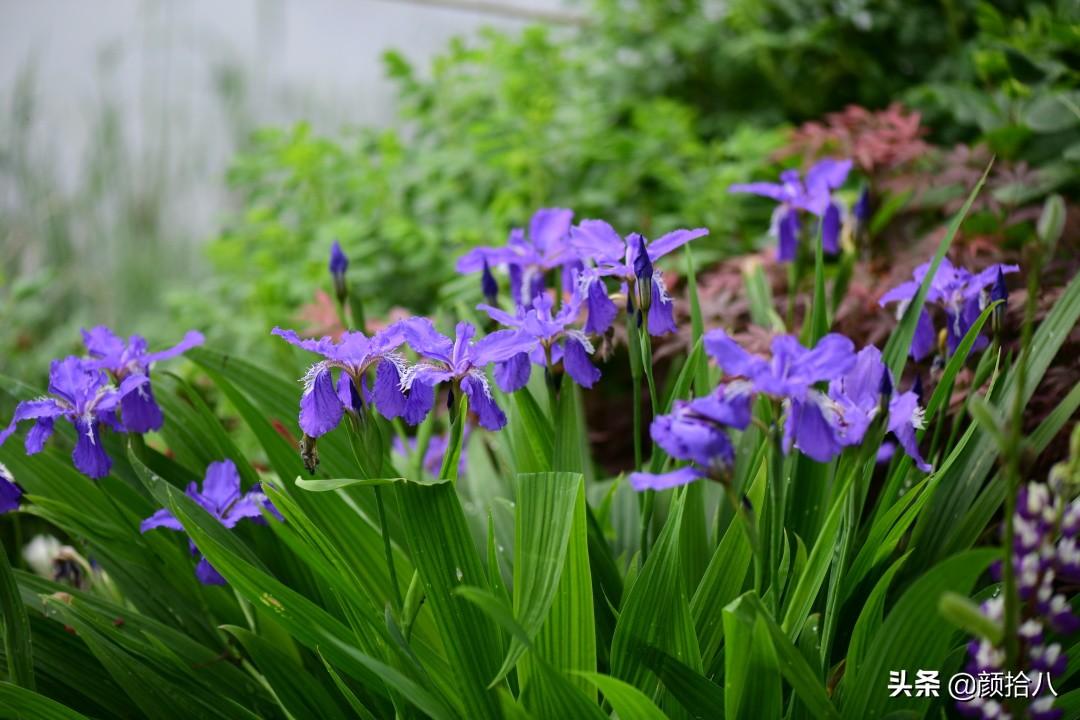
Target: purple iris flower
x=10 y=491
x=221 y=497
x=529 y=257
x=139 y=410
x=794 y=195
x=323 y=403
x=82 y=394
x=545 y=338
x=461 y=362
x=339 y=265
x=696 y=431
x=961 y=293
x=624 y=259
x=790 y=376
x=859 y=395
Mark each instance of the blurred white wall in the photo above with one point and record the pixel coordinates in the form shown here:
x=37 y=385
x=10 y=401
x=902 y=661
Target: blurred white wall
x=184 y=78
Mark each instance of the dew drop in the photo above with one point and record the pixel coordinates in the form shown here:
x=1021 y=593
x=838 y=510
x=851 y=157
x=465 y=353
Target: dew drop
x=460 y=575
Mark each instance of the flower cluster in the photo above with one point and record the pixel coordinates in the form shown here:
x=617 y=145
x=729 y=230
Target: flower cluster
x=586 y=256
x=82 y=395
x=818 y=422
x=543 y=328
x=1044 y=555
x=81 y=392
x=221 y=497
x=796 y=195
x=962 y=294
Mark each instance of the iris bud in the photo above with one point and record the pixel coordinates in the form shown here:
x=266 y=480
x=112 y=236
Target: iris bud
x=643 y=271
x=339 y=264
x=861 y=208
x=488 y=286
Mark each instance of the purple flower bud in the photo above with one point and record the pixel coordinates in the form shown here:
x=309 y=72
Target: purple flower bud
x=861 y=208
x=643 y=267
x=488 y=286
x=999 y=291
x=339 y=264
x=885 y=386
x=830 y=229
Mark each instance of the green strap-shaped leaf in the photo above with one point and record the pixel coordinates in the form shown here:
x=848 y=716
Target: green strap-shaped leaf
x=627 y=700
x=305 y=621
x=793 y=665
x=18 y=703
x=698 y=696
x=724 y=577
x=543 y=517
x=20 y=659
x=567 y=639
x=560 y=698
x=913 y=636
x=298 y=691
x=752 y=687
x=443 y=552
x=656 y=612
x=328 y=484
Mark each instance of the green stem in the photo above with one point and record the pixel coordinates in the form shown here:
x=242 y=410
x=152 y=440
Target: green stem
x=549 y=381
x=633 y=339
x=1012 y=451
x=387 y=548
x=650 y=495
x=776 y=512
x=750 y=527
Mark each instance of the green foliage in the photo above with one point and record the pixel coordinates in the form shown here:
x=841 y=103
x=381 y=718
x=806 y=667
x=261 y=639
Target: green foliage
x=311 y=623
x=502 y=125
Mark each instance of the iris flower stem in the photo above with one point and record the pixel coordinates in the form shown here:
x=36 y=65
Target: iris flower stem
x=387 y=548
x=650 y=495
x=776 y=513
x=1012 y=450
x=750 y=527
x=549 y=380
x=634 y=352
x=793 y=286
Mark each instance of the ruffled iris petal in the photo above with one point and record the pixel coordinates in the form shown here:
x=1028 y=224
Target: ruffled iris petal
x=320 y=407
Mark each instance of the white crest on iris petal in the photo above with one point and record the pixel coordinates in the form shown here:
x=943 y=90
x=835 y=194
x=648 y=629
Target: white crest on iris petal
x=6 y=474
x=308 y=380
x=397 y=360
x=738 y=388
x=581 y=338
x=774 y=222
x=830 y=409
x=480 y=376
x=918 y=418
x=409 y=375
x=661 y=289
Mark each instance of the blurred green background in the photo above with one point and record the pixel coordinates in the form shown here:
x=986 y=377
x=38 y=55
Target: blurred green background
x=638 y=112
